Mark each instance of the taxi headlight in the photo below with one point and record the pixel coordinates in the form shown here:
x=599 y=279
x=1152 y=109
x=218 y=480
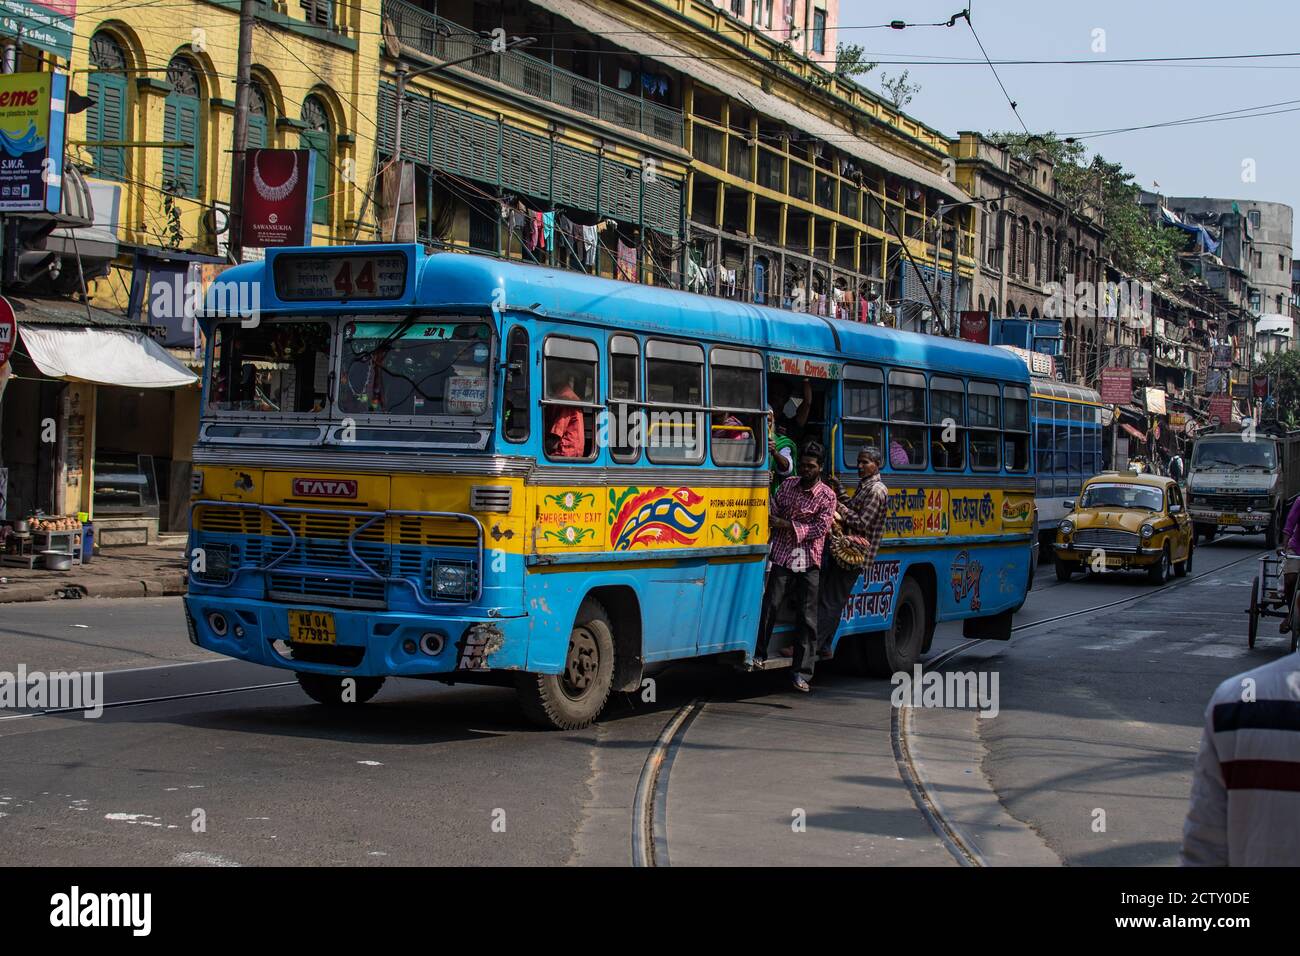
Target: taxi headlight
x=1066 y=526
x=1148 y=530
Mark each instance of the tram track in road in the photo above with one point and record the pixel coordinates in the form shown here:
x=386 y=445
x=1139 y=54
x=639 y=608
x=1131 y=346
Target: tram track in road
x=55 y=711
x=649 y=829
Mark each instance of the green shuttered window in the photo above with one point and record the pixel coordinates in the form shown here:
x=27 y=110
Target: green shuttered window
x=181 y=123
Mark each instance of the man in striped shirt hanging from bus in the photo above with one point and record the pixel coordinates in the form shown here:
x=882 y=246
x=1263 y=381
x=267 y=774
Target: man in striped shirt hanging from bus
x=801 y=516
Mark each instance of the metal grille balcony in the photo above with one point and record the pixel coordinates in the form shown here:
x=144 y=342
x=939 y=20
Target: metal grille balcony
x=441 y=39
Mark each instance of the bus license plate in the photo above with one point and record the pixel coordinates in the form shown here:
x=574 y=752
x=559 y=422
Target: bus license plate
x=311 y=627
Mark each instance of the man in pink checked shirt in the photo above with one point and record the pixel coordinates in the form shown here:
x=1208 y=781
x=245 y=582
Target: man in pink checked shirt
x=801 y=515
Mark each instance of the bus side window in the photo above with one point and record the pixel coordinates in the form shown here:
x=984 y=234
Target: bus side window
x=515 y=409
x=908 y=430
x=674 y=373
x=986 y=426
x=947 y=418
x=864 y=413
x=1015 y=438
x=569 y=375
x=738 y=434
x=626 y=416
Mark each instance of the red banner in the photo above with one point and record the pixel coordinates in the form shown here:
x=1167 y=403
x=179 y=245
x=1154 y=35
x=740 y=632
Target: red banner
x=277 y=197
x=1261 y=386
x=1221 y=408
x=1116 y=386
x=975 y=327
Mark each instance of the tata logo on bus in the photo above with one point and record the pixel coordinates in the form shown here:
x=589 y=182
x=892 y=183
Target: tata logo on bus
x=808 y=368
x=324 y=488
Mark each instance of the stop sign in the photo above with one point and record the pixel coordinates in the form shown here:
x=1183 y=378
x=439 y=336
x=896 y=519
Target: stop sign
x=8 y=329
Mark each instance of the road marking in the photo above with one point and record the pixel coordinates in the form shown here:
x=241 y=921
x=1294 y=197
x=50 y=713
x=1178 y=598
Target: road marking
x=1122 y=640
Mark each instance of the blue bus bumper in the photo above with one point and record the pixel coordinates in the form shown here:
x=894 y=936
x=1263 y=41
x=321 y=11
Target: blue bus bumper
x=369 y=643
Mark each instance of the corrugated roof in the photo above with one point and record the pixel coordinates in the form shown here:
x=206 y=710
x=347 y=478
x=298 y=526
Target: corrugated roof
x=68 y=312
x=601 y=23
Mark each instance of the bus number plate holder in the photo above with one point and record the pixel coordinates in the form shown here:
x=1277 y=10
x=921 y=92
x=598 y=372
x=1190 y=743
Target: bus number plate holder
x=311 y=627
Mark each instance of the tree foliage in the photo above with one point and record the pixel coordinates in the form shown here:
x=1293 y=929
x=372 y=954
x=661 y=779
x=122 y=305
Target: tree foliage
x=1138 y=246
x=1283 y=370
x=851 y=60
x=897 y=90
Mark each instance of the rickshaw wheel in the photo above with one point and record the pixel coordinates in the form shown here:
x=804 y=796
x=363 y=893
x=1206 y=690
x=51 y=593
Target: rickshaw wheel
x=1254 y=613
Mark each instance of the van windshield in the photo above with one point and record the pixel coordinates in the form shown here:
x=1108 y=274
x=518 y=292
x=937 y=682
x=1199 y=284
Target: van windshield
x=1235 y=455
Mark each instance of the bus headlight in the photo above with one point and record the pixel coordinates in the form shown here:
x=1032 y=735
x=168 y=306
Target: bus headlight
x=1147 y=531
x=1066 y=527
x=451 y=580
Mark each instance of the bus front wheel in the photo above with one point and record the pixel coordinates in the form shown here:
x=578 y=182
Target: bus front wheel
x=898 y=648
x=575 y=697
x=339 y=691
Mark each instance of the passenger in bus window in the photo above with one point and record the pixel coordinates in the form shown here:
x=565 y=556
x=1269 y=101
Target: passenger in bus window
x=565 y=433
x=782 y=453
x=801 y=517
x=791 y=413
x=898 y=453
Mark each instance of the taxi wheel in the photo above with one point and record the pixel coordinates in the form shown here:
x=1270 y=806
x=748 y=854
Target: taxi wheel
x=333 y=692
x=1158 y=573
x=575 y=697
x=1065 y=569
x=1184 y=567
x=898 y=648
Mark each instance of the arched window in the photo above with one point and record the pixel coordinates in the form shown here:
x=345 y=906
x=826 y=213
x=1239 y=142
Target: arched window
x=1036 y=255
x=993 y=307
x=981 y=303
x=1049 y=263
x=182 y=123
x=316 y=137
x=1022 y=250
x=106 y=120
x=259 y=116
x=1009 y=260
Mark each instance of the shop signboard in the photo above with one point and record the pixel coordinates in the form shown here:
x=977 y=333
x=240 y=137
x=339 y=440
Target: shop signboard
x=1116 y=386
x=1222 y=357
x=8 y=329
x=277 y=197
x=1221 y=408
x=47 y=26
x=975 y=327
x=1260 y=383
x=31 y=141
x=1240 y=390
x=1155 y=401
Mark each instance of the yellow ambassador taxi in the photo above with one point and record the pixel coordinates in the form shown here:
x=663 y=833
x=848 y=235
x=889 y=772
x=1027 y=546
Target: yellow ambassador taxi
x=1126 y=522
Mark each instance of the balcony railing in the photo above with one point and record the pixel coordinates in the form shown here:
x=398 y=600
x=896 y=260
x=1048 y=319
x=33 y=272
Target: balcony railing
x=435 y=37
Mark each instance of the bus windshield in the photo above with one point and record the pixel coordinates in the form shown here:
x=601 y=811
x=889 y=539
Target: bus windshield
x=277 y=367
x=416 y=368
x=1235 y=454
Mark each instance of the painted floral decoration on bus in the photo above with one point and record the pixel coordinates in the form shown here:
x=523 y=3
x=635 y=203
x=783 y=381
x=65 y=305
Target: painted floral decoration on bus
x=570 y=500
x=657 y=516
x=569 y=535
x=736 y=533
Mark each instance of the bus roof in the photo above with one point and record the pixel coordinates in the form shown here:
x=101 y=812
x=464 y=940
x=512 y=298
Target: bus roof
x=451 y=279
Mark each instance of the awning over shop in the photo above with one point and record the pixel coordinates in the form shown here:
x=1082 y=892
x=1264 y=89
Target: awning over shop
x=1139 y=435
x=602 y=24
x=104 y=356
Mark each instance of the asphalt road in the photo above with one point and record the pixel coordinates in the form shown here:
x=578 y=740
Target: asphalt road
x=1098 y=711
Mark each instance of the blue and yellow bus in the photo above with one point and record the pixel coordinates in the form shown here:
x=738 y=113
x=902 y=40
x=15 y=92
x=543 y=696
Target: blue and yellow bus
x=456 y=468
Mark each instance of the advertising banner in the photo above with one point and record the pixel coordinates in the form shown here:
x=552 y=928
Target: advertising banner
x=1221 y=408
x=1116 y=386
x=1260 y=383
x=47 y=25
x=975 y=327
x=31 y=141
x=277 y=197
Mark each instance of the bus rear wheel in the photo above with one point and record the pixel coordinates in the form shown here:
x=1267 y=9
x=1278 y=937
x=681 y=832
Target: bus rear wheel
x=898 y=648
x=333 y=692
x=575 y=697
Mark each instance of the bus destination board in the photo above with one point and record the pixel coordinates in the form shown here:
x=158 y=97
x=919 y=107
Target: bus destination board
x=312 y=277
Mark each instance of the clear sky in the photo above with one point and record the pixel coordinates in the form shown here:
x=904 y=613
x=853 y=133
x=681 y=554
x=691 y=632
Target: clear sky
x=1203 y=159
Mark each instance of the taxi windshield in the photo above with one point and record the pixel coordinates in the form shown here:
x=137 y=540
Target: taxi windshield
x=1137 y=497
x=414 y=368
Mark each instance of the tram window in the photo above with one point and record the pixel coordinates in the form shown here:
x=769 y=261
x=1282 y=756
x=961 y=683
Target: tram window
x=515 y=406
x=947 y=423
x=864 y=411
x=1015 y=438
x=626 y=416
x=674 y=373
x=277 y=367
x=908 y=443
x=1076 y=450
x=1043 y=438
x=739 y=428
x=985 y=423
x=569 y=370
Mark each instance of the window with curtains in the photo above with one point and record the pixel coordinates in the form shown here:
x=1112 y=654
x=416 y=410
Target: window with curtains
x=182 y=121
x=317 y=137
x=106 y=119
x=258 y=117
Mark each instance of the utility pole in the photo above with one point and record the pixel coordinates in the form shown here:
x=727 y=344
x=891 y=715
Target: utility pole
x=243 y=84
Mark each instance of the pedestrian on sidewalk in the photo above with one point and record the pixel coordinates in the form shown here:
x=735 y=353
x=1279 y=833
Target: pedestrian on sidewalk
x=854 y=541
x=801 y=516
x=1245 y=796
